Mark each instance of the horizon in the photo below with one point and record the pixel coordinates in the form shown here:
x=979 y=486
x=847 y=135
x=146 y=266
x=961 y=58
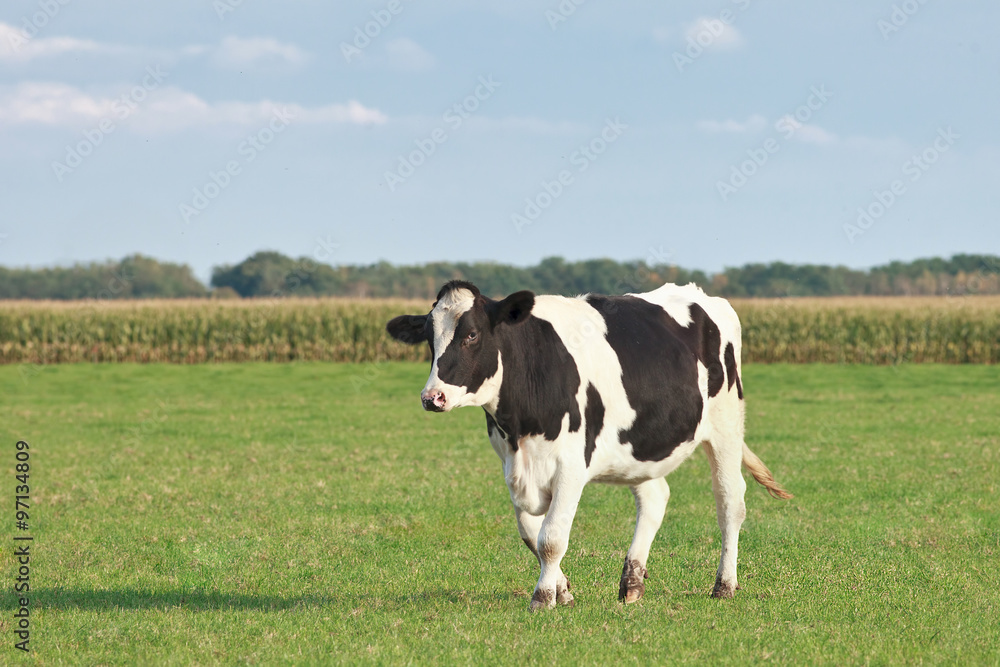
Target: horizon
x=991 y=266
x=110 y=260
x=708 y=138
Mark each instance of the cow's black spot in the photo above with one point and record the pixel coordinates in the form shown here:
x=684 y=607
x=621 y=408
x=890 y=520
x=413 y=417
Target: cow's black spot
x=731 y=371
x=468 y=362
x=540 y=381
x=659 y=360
x=594 y=416
x=468 y=365
x=704 y=338
x=492 y=427
x=540 y=378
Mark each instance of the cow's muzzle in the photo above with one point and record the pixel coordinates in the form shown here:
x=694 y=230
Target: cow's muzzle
x=433 y=401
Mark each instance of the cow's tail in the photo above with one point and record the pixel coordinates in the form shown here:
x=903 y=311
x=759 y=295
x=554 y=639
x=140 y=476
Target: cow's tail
x=762 y=474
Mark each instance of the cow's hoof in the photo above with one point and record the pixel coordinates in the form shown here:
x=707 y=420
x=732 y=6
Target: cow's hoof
x=724 y=591
x=563 y=596
x=632 y=585
x=542 y=600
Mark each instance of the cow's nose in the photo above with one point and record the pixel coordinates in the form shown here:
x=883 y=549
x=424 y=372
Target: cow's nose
x=433 y=400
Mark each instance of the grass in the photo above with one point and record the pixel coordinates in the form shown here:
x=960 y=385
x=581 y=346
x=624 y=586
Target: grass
x=278 y=513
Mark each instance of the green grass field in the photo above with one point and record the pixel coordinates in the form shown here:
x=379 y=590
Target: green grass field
x=272 y=513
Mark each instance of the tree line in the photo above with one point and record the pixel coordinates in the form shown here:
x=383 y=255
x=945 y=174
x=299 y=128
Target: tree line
x=272 y=274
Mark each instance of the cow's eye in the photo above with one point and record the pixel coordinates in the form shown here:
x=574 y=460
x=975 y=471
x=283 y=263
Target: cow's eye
x=472 y=337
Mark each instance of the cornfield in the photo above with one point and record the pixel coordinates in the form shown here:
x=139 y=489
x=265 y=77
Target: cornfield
x=869 y=330
x=196 y=331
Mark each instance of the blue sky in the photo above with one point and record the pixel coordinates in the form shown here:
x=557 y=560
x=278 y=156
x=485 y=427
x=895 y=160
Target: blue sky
x=706 y=134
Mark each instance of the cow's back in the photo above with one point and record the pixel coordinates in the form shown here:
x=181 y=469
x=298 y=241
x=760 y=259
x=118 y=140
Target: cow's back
x=654 y=361
x=676 y=299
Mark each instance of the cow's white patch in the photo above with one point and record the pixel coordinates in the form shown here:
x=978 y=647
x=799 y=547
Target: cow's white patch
x=676 y=300
x=444 y=319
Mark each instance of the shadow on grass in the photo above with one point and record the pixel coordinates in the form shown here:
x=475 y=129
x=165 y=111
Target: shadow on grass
x=201 y=600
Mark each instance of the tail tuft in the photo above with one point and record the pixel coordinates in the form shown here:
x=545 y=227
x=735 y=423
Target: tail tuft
x=763 y=475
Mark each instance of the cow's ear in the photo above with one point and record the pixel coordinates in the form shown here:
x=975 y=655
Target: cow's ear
x=513 y=310
x=408 y=328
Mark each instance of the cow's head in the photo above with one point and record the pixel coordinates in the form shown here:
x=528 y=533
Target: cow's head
x=464 y=330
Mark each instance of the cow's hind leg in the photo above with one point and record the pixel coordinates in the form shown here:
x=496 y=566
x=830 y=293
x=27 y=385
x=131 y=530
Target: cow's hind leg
x=650 y=504
x=529 y=526
x=726 y=456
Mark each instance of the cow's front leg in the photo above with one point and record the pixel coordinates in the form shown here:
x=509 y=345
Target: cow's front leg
x=529 y=527
x=650 y=504
x=553 y=539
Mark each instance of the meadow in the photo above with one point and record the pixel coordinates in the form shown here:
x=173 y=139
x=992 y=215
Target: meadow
x=871 y=330
x=262 y=513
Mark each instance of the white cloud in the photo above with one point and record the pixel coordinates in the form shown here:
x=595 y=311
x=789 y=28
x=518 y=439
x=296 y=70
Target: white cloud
x=754 y=123
x=352 y=112
x=194 y=50
x=50 y=104
x=15 y=46
x=712 y=33
x=236 y=52
x=405 y=54
x=161 y=109
x=814 y=134
x=232 y=52
x=809 y=134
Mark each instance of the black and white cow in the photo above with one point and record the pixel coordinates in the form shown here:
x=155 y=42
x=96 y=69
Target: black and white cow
x=615 y=389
